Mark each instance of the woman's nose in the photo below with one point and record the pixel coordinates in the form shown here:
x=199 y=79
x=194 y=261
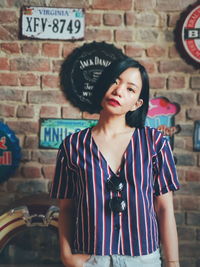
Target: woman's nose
x=118 y=90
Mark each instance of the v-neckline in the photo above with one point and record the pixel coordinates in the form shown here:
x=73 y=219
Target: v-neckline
x=105 y=160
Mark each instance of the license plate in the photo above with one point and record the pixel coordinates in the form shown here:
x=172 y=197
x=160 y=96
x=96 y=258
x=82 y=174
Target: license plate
x=53 y=23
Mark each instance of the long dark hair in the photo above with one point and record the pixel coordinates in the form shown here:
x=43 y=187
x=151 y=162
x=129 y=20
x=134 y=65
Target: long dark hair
x=134 y=118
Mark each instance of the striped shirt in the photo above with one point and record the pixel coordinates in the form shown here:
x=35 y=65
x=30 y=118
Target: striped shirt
x=81 y=174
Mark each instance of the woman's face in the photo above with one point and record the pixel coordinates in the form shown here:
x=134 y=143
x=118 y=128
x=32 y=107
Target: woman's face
x=123 y=94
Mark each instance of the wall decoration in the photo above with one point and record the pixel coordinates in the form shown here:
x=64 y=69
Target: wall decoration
x=53 y=131
x=52 y=23
x=187 y=35
x=197 y=136
x=161 y=116
x=9 y=152
x=81 y=69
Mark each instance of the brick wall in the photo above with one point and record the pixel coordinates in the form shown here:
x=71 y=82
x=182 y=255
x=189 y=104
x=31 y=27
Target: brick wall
x=29 y=90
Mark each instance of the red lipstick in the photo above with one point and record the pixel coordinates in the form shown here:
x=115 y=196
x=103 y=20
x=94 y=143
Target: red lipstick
x=113 y=102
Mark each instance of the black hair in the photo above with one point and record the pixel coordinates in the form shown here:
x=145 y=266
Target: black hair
x=134 y=118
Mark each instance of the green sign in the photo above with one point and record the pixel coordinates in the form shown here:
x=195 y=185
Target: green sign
x=53 y=131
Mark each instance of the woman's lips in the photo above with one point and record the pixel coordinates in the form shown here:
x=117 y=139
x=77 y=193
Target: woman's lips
x=113 y=102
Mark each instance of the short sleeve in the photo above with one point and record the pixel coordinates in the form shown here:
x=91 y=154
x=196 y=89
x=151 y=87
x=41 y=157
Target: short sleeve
x=63 y=185
x=165 y=177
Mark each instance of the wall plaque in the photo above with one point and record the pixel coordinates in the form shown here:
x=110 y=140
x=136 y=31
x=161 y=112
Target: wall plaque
x=187 y=35
x=81 y=69
x=53 y=131
x=9 y=152
x=161 y=116
x=52 y=23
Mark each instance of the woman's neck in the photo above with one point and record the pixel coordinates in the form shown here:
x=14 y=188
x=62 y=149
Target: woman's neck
x=111 y=125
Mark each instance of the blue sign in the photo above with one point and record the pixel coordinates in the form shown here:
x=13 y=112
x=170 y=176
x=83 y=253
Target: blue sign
x=53 y=131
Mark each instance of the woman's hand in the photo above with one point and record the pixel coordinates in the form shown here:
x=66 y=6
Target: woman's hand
x=75 y=260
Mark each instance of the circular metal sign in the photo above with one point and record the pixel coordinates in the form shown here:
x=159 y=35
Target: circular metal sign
x=187 y=35
x=81 y=69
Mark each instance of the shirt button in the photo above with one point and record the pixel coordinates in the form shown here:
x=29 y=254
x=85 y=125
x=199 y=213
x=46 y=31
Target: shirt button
x=117 y=227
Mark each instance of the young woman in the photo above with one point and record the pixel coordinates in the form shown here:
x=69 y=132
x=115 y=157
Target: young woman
x=115 y=181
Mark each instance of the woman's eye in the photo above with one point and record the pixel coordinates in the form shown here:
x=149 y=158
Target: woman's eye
x=130 y=89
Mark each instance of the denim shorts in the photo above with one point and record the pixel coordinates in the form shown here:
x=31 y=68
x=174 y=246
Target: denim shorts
x=150 y=260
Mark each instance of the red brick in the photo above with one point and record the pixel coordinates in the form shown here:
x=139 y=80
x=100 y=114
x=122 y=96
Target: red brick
x=4 y=63
x=156 y=51
x=31 y=49
x=31 y=172
x=195 y=82
x=98 y=35
x=89 y=116
x=10 y=48
x=157 y=82
x=193 y=113
x=25 y=111
x=172 y=5
x=56 y=64
x=50 y=81
x=51 y=50
x=48 y=171
x=173 y=52
x=68 y=49
x=130 y=18
x=30 y=64
x=134 y=51
x=92 y=19
x=7 y=16
x=71 y=112
x=186 y=233
x=112 y=5
x=45 y=156
x=144 y=35
x=47 y=96
x=173 y=18
x=189 y=203
x=12 y=95
x=175 y=65
x=9 y=79
x=146 y=19
x=49 y=112
x=149 y=65
x=31 y=142
x=29 y=79
x=193 y=218
x=112 y=19
x=5 y=34
x=24 y=127
x=123 y=35
x=12 y=30
x=176 y=82
x=142 y=4
x=7 y=110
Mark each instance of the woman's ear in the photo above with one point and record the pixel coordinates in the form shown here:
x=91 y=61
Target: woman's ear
x=138 y=104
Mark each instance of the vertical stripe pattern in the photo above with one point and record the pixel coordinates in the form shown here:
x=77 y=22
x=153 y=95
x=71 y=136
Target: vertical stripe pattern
x=81 y=173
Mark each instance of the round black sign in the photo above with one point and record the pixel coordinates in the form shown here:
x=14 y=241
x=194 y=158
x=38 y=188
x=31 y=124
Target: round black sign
x=81 y=69
x=187 y=35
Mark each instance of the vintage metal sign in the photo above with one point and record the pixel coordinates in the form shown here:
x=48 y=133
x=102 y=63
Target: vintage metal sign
x=197 y=136
x=161 y=116
x=52 y=23
x=53 y=131
x=10 y=152
x=81 y=69
x=187 y=35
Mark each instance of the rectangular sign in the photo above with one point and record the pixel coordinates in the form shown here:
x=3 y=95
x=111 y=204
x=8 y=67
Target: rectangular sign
x=53 y=131
x=52 y=23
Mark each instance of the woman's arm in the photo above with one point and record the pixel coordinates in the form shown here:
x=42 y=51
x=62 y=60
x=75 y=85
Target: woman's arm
x=167 y=226
x=66 y=227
